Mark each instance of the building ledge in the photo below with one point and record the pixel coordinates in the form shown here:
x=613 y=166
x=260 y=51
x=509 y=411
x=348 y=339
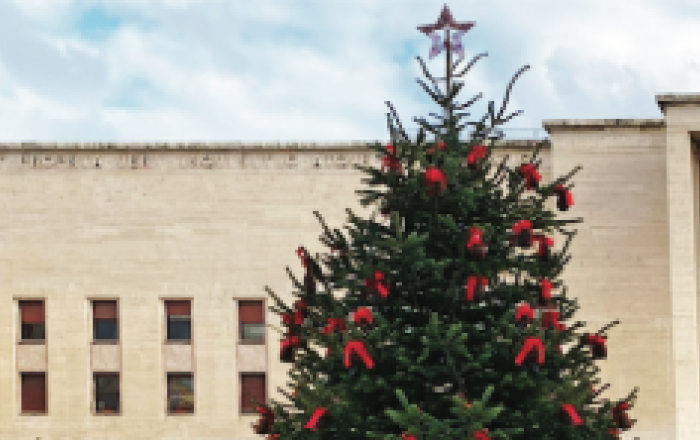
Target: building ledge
x=677 y=100
x=553 y=125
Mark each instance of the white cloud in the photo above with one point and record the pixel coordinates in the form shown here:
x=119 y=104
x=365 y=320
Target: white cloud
x=317 y=70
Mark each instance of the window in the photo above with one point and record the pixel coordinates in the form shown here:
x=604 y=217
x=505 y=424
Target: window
x=251 y=319
x=179 y=320
x=252 y=391
x=32 y=318
x=107 y=393
x=33 y=393
x=180 y=393
x=105 y=320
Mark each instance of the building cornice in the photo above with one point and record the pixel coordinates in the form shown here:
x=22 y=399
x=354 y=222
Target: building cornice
x=558 y=125
x=677 y=100
x=273 y=156
x=222 y=147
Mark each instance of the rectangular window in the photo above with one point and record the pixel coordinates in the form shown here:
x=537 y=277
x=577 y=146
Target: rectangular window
x=107 y=393
x=32 y=319
x=251 y=320
x=105 y=323
x=179 y=320
x=180 y=393
x=253 y=391
x=33 y=393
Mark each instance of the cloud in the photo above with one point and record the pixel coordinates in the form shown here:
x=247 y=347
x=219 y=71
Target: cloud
x=317 y=70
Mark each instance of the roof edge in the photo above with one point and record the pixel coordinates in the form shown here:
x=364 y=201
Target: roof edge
x=551 y=125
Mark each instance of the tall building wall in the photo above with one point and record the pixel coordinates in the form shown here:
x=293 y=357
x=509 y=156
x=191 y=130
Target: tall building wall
x=143 y=224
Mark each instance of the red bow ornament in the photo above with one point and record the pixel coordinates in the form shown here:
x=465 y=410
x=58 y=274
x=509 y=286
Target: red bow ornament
x=524 y=316
x=267 y=419
x=354 y=350
x=363 y=318
x=522 y=234
x=475 y=287
x=435 y=179
x=431 y=150
x=482 y=435
x=408 y=436
x=570 y=415
x=477 y=153
x=597 y=345
x=475 y=243
x=289 y=347
x=532 y=177
x=336 y=325
x=309 y=282
x=564 y=198
x=317 y=419
x=545 y=244
x=378 y=284
x=529 y=344
x=550 y=320
x=622 y=420
x=390 y=162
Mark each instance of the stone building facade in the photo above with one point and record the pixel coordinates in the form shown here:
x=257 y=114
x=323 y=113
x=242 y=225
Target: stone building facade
x=120 y=250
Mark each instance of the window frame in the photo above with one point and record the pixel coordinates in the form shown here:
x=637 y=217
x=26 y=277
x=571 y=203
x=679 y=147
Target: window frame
x=252 y=409
x=22 y=324
x=95 y=393
x=242 y=325
x=22 y=411
x=168 y=378
x=95 y=321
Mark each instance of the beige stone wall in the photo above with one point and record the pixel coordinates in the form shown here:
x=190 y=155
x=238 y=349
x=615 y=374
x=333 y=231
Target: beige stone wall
x=216 y=226
x=619 y=267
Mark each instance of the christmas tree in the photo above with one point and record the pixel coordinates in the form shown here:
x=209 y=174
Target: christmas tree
x=445 y=318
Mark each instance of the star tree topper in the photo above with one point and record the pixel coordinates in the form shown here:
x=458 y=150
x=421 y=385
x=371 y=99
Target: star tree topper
x=446 y=21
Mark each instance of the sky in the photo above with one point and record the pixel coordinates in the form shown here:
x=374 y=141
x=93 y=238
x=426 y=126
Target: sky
x=322 y=70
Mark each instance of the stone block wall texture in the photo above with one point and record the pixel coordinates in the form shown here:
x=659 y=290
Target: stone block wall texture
x=217 y=223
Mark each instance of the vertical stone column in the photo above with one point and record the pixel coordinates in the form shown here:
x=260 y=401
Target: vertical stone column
x=682 y=117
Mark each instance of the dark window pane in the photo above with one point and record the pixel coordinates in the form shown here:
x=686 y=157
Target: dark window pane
x=180 y=394
x=106 y=329
x=107 y=393
x=179 y=328
x=33 y=331
x=253 y=332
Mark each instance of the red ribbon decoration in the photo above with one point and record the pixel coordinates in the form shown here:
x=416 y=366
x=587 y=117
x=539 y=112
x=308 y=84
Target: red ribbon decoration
x=390 y=162
x=440 y=145
x=377 y=283
x=597 y=344
x=266 y=421
x=544 y=242
x=315 y=418
x=550 y=319
x=532 y=177
x=524 y=312
x=564 y=198
x=531 y=343
x=620 y=416
x=478 y=152
x=474 y=282
x=357 y=348
x=334 y=324
x=521 y=227
x=574 y=419
x=475 y=243
x=289 y=345
x=301 y=252
x=545 y=291
x=362 y=316
x=435 y=179
x=407 y=436
x=482 y=435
